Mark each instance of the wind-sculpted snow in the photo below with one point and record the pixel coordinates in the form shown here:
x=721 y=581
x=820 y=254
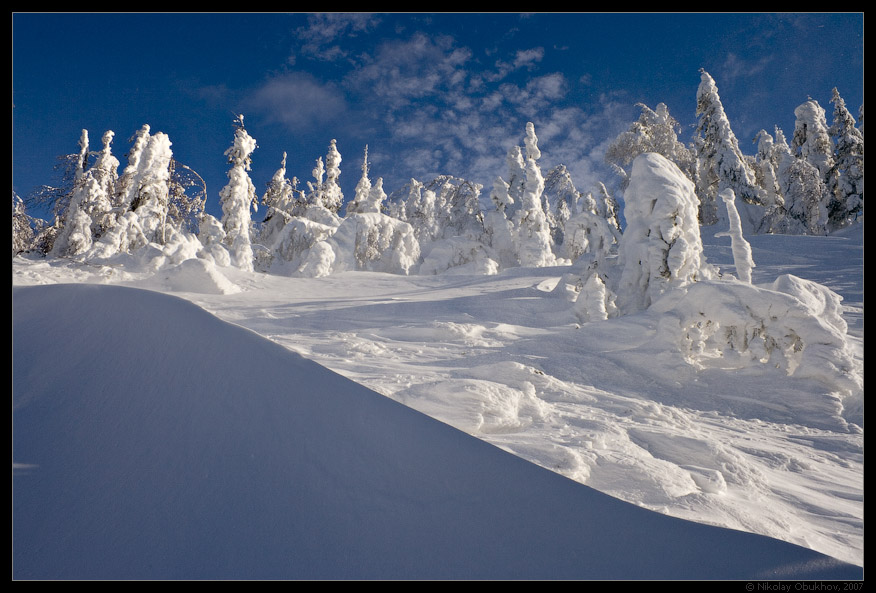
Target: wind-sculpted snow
x=153 y=441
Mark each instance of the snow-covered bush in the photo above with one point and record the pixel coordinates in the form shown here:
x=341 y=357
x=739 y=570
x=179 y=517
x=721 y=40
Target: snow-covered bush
x=459 y=255
x=374 y=242
x=212 y=236
x=792 y=324
x=300 y=246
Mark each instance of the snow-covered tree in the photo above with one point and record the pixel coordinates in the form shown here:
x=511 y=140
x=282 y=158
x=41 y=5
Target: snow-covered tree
x=661 y=248
x=128 y=184
x=655 y=131
x=766 y=170
x=515 y=186
x=153 y=198
x=594 y=229
x=187 y=198
x=282 y=204
x=237 y=198
x=75 y=236
x=561 y=202
x=741 y=249
x=374 y=242
x=720 y=162
x=212 y=238
x=333 y=196
x=326 y=192
x=368 y=197
x=103 y=177
x=532 y=234
x=848 y=187
x=22 y=227
x=811 y=139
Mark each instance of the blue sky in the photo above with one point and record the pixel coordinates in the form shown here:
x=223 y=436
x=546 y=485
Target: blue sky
x=429 y=94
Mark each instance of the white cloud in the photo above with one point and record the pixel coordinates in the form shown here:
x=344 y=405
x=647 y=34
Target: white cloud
x=297 y=100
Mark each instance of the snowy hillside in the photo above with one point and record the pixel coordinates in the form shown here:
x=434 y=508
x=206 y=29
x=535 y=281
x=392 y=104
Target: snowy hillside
x=695 y=371
x=152 y=440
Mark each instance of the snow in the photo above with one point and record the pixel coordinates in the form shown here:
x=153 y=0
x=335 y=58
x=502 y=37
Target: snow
x=192 y=420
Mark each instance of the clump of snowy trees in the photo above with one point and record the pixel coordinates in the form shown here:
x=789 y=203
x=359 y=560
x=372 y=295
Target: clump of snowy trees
x=812 y=184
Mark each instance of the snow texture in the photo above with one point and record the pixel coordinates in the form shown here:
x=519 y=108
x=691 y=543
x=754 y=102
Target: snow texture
x=178 y=446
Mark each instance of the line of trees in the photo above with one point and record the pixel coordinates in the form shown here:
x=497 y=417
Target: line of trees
x=155 y=207
x=810 y=184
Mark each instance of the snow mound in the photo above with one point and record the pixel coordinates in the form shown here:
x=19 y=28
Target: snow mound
x=197 y=275
x=178 y=446
x=792 y=324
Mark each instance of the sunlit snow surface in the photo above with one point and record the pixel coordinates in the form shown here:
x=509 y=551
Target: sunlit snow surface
x=609 y=404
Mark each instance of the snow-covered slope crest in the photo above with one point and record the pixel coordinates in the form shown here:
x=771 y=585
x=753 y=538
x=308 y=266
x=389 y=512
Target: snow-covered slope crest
x=152 y=440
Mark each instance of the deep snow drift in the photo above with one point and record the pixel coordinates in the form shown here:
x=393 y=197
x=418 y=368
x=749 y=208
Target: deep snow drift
x=152 y=440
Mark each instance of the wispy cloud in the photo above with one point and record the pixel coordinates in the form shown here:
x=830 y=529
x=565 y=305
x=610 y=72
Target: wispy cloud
x=439 y=110
x=298 y=101
x=322 y=38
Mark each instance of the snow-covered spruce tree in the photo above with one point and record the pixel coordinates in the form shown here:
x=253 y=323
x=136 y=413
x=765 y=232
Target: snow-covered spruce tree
x=317 y=203
x=140 y=198
x=772 y=160
x=22 y=227
x=720 y=163
x=591 y=241
x=280 y=203
x=655 y=131
x=128 y=184
x=103 y=177
x=326 y=192
x=459 y=242
x=811 y=139
x=803 y=189
x=76 y=235
x=93 y=197
x=515 y=186
x=848 y=177
x=373 y=242
x=150 y=201
x=368 y=198
x=594 y=229
x=660 y=249
x=766 y=170
x=532 y=234
x=811 y=142
x=561 y=202
x=237 y=198
x=211 y=236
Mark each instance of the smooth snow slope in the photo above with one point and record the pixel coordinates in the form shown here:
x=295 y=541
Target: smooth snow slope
x=152 y=440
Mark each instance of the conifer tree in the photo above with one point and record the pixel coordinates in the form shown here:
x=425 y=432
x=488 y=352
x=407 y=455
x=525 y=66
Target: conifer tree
x=76 y=236
x=720 y=163
x=533 y=234
x=237 y=198
x=655 y=131
x=848 y=187
x=22 y=229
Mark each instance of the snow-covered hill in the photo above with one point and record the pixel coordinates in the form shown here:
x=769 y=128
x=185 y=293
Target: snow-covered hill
x=152 y=440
